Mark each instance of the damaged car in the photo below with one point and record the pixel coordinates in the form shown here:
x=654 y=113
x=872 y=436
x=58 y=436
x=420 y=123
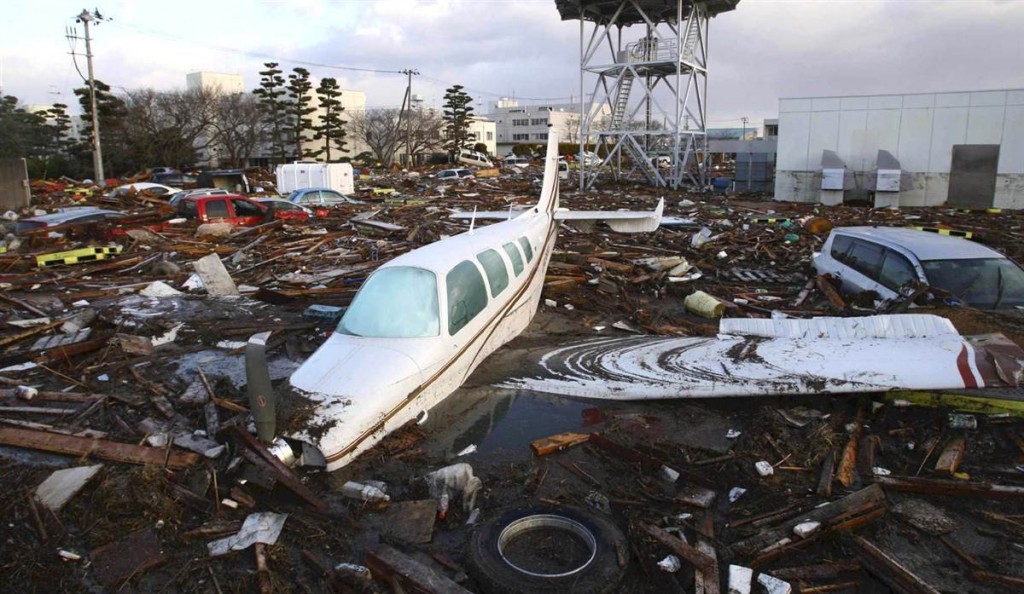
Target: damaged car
x=885 y=259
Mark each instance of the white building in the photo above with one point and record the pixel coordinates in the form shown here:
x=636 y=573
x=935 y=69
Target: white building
x=530 y=124
x=484 y=130
x=964 y=149
x=215 y=81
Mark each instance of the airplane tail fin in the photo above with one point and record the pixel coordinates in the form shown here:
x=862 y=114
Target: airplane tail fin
x=549 y=190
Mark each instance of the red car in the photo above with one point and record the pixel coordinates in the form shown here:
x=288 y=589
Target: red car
x=230 y=208
x=289 y=211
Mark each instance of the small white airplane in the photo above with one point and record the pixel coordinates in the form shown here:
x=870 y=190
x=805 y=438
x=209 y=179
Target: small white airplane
x=420 y=325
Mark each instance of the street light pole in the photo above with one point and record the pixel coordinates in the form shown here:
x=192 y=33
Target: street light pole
x=97 y=151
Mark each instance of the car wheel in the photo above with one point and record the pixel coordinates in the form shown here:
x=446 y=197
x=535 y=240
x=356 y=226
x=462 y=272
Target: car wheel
x=547 y=549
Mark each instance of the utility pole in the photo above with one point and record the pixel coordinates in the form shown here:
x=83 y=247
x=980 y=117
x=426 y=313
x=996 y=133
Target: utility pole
x=97 y=152
x=407 y=108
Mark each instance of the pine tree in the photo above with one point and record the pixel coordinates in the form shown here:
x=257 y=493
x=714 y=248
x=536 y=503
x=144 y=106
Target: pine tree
x=270 y=93
x=331 y=128
x=457 y=113
x=300 y=108
x=61 y=122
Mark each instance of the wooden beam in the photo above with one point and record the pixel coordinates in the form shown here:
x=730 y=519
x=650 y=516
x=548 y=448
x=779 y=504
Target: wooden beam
x=99 y=448
x=677 y=546
x=391 y=564
x=889 y=570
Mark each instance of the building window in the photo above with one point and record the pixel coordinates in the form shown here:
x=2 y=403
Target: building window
x=523 y=122
x=538 y=122
x=543 y=136
x=490 y=135
x=520 y=137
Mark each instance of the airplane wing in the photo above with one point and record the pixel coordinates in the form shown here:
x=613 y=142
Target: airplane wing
x=775 y=357
x=623 y=221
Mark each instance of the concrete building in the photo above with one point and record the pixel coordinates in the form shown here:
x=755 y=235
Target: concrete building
x=215 y=81
x=530 y=124
x=484 y=130
x=963 y=149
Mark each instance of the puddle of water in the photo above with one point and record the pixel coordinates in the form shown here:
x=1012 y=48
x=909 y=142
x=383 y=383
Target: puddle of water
x=499 y=421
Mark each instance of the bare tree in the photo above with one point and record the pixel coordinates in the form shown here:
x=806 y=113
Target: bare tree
x=379 y=129
x=237 y=125
x=427 y=132
x=571 y=129
x=169 y=127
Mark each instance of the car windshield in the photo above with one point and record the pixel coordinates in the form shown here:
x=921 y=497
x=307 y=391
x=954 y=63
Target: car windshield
x=987 y=283
x=295 y=195
x=397 y=302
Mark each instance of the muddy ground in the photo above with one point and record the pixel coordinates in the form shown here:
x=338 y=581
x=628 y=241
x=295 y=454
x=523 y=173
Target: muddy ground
x=688 y=436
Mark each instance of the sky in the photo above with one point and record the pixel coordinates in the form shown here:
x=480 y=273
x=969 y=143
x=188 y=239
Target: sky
x=763 y=50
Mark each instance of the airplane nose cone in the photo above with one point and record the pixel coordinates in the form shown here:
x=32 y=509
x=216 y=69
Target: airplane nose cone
x=341 y=368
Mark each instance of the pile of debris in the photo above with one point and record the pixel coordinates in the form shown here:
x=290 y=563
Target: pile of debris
x=125 y=435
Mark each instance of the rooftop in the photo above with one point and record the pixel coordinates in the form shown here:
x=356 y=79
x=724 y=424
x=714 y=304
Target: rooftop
x=601 y=11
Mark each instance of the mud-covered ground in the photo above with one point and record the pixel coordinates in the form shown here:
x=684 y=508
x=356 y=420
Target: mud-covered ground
x=689 y=436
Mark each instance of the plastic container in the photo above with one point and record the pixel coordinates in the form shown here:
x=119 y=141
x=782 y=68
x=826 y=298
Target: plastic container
x=704 y=305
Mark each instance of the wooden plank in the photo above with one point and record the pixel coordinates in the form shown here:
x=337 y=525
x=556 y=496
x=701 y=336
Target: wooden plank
x=943 y=487
x=862 y=501
x=555 y=443
x=889 y=570
x=952 y=455
x=413 y=576
x=820 y=571
x=99 y=448
x=830 y=292
x=696 y=558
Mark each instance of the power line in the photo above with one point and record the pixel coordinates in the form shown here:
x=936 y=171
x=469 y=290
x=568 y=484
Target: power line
x=260 y=55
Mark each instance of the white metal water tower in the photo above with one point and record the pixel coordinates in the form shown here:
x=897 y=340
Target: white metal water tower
x=661 y=131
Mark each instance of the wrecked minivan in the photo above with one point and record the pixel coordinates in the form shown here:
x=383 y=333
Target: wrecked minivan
x=884 y=259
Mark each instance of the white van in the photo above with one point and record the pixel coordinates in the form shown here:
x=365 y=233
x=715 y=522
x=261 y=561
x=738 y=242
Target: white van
x=304 y=174
x=469 y=157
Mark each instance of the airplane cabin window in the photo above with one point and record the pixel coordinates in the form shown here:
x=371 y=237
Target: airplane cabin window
x=526 y=248
x=513 y=254
x=467 y=295
x=497 y=273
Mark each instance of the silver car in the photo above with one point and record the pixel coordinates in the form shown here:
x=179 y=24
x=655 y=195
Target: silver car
x=884 y=259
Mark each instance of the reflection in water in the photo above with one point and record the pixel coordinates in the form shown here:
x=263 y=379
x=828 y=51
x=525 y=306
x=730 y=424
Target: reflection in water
x=499 y=420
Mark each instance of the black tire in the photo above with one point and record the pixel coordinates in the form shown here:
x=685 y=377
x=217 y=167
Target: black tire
x=600 y=575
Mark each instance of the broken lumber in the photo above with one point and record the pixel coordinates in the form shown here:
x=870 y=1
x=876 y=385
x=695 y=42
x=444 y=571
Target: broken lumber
x=554 y=443
x=889 y=570
x=820 y=571
x=694 y=556
x=847 y=472
x=952 y=455
x=857 y=503
x=830 y=292
x=945 y=487
x=391 y=564
x=100 y=448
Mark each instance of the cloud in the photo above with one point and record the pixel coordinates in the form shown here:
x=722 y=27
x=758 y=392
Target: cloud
x=763 y=50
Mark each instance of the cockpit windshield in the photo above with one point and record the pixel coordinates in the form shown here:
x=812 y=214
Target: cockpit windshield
x=397 y=302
